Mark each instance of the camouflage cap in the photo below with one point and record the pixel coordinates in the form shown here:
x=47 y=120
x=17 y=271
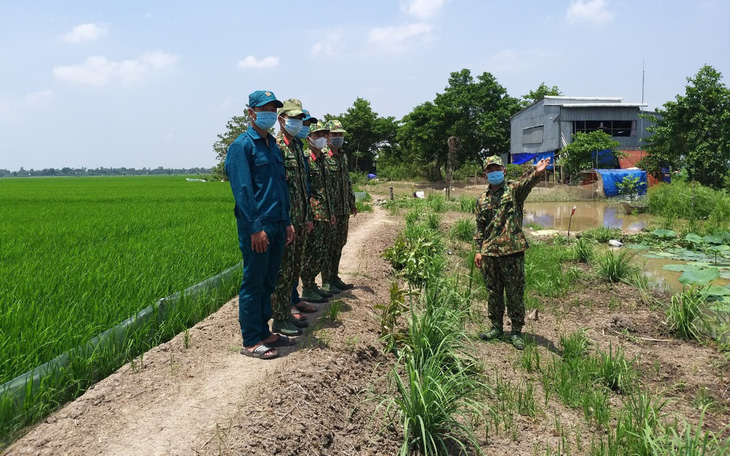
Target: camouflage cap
x=335 y=126
x=319 y=126
x=291 y=107
x=493 y=160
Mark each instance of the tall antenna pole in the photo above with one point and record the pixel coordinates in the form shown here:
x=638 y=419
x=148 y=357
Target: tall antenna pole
x=641 y=109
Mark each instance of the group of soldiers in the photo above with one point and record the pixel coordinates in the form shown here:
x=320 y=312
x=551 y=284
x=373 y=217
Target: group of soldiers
x=293 y=203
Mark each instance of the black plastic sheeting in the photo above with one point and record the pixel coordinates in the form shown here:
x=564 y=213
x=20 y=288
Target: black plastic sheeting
x=20 y=387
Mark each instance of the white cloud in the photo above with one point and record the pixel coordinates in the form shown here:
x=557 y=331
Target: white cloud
x=16 y=107
x=595 y=11
x=329 y=45
x=84 y=32
x=99 y=71
x=511 y=61
x=423 y=9
x=400 y=38
x=253 y=62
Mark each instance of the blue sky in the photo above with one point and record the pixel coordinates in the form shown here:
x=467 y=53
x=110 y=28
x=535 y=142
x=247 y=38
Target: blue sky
x=135 y=84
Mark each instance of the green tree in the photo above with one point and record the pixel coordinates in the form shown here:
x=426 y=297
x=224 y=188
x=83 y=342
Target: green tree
x=537 y=95
x=580 y=155
x=694 y=131
x=422 y=139
x=477 y=111
x=234 y=127
x=367 y=133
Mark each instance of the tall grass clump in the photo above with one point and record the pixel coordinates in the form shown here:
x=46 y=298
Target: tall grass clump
x=543 y=269
x=464 y=229
x=434 y=406
x=615 y=371
x=615 y=267
x=467 y=204
x=685 y=314
x=583 y=250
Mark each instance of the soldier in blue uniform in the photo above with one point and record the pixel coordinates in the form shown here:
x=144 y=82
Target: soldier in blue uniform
x=255 y=168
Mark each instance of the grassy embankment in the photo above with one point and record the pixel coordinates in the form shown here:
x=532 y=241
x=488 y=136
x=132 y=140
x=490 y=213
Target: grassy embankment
x=443 y=397
x=78 y=256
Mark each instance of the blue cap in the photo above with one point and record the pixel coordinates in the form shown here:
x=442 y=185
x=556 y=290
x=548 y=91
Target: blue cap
x=308 y=116
x=262 y=97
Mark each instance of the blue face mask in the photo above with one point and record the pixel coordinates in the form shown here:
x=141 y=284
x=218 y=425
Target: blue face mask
x=265 y=119
x=303 y=133
x=495 y=177
x=292 y=126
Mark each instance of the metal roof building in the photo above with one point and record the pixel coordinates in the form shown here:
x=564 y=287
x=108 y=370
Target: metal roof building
x=546 y=126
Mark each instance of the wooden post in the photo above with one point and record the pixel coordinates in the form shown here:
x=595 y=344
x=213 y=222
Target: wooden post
x=391 y=193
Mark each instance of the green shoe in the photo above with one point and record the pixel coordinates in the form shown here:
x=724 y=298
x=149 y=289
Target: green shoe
x=310 y=294
x=517 y=340
x=285 y=328
x=340 y=284
x=298 y=323
x=331 y=288
x=325 y=293
x=494 y=333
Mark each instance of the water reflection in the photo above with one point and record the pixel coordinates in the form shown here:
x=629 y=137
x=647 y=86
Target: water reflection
x=590 y=214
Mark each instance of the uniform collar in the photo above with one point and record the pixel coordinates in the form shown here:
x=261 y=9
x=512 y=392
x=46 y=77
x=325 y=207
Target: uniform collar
x=254 y=134
x=499 y=189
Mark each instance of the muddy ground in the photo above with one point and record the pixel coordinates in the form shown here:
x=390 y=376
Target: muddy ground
x=321 y=396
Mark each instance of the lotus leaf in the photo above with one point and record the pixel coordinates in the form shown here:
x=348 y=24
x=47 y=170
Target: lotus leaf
x=699 y=276
x=719 y=248
x=693 y=238
x=717 y=290
x=664 y=234
x=714 y=239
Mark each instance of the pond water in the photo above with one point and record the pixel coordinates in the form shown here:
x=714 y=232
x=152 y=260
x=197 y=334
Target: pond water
x=593 y=214
x=588 y=214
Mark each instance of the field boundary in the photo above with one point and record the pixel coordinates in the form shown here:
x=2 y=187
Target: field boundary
x=23 y=385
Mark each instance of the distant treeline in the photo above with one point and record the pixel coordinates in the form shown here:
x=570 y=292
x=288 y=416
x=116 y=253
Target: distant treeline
x=102 y=171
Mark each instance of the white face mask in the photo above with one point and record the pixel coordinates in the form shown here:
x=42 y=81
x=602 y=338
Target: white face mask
x=292 y=126
x=318 y=143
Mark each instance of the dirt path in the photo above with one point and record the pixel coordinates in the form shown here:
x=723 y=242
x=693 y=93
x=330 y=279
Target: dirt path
x=175 y=400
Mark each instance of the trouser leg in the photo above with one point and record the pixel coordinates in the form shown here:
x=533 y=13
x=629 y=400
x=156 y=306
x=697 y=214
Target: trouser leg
x=513 y=267
x=493 y=280
x=342 y=226
x=288 y=275
x=312 y=257
x=259 y=281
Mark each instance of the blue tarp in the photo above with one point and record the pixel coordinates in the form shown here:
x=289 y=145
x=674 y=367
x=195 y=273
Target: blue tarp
x=612 y=176
x=604 y=158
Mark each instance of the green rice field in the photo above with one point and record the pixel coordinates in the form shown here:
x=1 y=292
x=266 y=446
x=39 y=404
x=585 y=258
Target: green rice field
x=79 y=255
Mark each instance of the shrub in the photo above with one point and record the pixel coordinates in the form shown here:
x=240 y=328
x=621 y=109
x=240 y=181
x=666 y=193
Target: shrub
x=676 y=200
x=601 y=234
x=400 y=172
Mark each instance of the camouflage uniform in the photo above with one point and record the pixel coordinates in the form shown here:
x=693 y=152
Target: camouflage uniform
x=343 y=201
x=322 y=211
x=300 y=213
x=500 y=240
